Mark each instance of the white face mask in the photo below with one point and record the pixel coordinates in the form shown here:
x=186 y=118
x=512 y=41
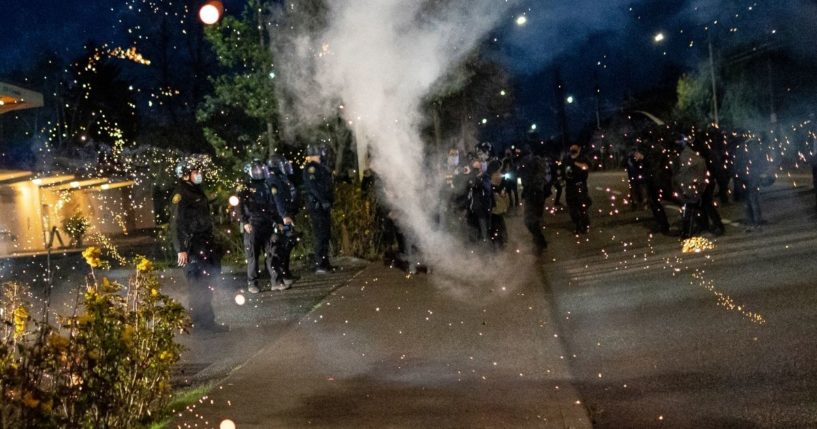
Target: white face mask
x=197 y=178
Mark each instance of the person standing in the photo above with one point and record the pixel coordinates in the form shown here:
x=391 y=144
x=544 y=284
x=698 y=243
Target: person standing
x=575 y=170
x=259 y=216
x=319 y=189
x=537 y=179
x=649 y=156
x=690 y=181
x=751 y=167
x=191 y=231
x=285 y=195
x=480 y=203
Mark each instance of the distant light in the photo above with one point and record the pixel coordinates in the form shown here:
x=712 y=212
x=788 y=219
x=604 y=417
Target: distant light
x=37 y=182
x=570 y=99
x=106 y=186
x=502 y=93
x=533 y=127
x=659 y=38
x=74 y=184
x=484 y=121
x=210 y=13
x=272 y=75
x=226 y=424
x=521 y=20
x=2 y=102
x=233 y=201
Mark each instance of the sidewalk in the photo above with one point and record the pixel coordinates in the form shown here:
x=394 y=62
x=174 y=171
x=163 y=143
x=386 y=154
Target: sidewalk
x=391 y=351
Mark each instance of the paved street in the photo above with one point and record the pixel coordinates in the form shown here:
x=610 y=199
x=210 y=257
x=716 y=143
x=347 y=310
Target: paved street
x=618 y=328
x=391 y=351
x=719 y=340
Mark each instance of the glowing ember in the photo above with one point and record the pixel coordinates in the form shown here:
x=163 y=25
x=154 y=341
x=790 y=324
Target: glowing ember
x=697 y=245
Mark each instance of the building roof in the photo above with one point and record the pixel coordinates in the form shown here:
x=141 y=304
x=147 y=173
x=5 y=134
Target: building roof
x=16 y=98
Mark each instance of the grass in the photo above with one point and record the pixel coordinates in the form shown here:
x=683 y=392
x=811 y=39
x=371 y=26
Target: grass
x=181 y=399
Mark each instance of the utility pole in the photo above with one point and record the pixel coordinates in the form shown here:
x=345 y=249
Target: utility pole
x=262 y=31
x=714 y=83
x=772 y=109
x=561 y=112
x=597 y=90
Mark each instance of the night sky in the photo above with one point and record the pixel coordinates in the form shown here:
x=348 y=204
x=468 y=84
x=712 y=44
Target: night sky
x=606 y=41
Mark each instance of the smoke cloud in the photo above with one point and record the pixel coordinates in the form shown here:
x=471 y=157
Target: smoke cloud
x=379 y=59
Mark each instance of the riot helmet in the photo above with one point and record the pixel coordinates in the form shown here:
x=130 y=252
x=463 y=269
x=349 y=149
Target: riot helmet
x=256 y=170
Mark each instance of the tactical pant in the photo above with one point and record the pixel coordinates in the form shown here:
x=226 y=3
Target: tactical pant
x=202 y=271
x=691 y=214
x=710 y=212
x=259 y=243
x=284 y=249
x=578 y=204
x=534 y=220
x=321 y=229
x=657 y=208
x=752 y=195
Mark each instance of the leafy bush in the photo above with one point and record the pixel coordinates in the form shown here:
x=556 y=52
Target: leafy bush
x=76 y=226
x=108 y=365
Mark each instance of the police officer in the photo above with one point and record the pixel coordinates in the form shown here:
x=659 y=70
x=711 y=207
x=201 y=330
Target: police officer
x=575 y=170
x=259 y=216
x=534 y=170
x=647 y=154
x=319 y=190
x=285 y=195
x=191 y=230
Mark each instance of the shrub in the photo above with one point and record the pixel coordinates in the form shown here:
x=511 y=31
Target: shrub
x=108 y=365
x=75 y=226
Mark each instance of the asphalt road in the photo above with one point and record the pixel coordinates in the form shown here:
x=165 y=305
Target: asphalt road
x=722 y=339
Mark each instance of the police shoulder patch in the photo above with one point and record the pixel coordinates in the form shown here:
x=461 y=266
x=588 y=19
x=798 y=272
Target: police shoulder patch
x=177 y=198
x=311 y=170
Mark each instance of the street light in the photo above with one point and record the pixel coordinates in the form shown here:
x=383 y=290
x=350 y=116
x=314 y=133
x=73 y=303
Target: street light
x=521 y=20
x=659 y=38
x=210 y=13
x=570 y=99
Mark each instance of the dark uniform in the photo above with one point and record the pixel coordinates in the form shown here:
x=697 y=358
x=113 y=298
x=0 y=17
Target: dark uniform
x=691 y=180
x=191 y=230
x=285 y=196
x=536 y=188
x=652 y=165
x=319 y=190
x=480 y=203
x=576 y=193
x=257 y=208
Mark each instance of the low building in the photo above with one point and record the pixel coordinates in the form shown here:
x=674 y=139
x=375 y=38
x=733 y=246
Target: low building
x=33 y=206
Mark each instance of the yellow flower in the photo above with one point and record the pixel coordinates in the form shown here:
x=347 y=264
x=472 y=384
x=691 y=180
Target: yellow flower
x=57 y=341
x=85 y=319
x=47 y=406
x=20 y=320
x=154 y=293
x=92 y=256
x=127 y=334
x=30 y=401
x=144 y=265
x=108 y=286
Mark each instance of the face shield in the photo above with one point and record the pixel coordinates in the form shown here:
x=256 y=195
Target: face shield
x=257 y=171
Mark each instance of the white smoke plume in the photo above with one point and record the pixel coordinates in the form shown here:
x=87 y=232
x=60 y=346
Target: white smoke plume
x=379 y=58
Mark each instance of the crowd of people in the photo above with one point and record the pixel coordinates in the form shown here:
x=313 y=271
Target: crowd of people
x=687 y=166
